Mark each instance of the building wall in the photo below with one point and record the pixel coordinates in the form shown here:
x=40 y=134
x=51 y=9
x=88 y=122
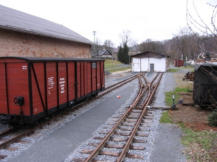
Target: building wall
x=19 y=44
x=143 y=64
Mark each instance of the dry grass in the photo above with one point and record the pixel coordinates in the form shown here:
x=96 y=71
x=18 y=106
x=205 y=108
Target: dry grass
x=182 y=84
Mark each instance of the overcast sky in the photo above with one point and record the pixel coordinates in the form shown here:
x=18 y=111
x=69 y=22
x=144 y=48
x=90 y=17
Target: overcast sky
x=145 y=19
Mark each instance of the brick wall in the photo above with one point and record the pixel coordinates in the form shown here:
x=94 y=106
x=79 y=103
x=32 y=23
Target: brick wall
x=19 y=44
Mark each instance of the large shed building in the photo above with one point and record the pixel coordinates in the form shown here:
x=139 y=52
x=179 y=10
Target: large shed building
x=149 y=62
x=22 y=34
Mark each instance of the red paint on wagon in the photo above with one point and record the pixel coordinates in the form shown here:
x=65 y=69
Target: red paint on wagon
x=46 y=84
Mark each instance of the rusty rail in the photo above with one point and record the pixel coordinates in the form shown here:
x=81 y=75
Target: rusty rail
x=133 y=133
x=15 y=138
x=139 y=96
x=117 y=85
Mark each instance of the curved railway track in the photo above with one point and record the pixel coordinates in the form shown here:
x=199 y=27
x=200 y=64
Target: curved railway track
x=127 y=126
x=12 y=135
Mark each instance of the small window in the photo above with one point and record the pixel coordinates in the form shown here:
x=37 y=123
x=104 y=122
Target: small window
x=93 y=65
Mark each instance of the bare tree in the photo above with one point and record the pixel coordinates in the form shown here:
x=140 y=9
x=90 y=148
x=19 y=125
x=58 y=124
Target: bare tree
x=154 y=46
x=125 y=37
x=196 y=22
x=108 y=45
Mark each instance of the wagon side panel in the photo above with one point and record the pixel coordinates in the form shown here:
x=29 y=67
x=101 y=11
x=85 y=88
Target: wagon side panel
x=88 y=79
x=62 y=83
x=78 y=82
x=17 y=76
x=38 y=93
x=93 y=68
x=3 y=89
x=71 y=80
x=98 y=71
x=102 y=74
x=51 y=85
x=82 y=78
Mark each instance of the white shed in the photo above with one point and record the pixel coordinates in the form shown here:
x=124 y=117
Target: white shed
x=149 y=62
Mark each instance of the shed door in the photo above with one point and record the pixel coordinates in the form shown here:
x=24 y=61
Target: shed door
x=151 y=67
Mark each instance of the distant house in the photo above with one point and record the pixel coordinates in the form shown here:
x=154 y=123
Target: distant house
x=105 y=53
x=22 y=34
x=149 y=62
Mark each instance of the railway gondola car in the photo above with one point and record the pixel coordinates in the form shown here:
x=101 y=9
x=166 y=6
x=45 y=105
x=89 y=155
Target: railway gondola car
x=32 y=88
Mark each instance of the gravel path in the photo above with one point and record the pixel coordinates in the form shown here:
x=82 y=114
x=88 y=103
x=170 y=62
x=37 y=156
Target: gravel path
x=167 y=145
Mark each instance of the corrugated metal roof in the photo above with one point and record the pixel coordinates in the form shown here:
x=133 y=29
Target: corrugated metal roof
x=11 y=19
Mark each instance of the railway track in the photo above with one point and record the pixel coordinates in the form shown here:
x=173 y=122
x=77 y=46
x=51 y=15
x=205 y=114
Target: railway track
x=123 y=136
x=12 y=135
x=107 y=90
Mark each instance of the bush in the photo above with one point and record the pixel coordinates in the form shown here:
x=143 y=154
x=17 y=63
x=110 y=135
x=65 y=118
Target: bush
x=213 y=119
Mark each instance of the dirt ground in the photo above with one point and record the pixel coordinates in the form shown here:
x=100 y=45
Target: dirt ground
x=191 y=116
x=196 y=119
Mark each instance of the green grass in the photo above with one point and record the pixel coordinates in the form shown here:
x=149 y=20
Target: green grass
x=165 y=118
x=111 y=63
x=114 y=65
x=173 y=70
x=168 y=95
x=119 y=69
x=204 y=138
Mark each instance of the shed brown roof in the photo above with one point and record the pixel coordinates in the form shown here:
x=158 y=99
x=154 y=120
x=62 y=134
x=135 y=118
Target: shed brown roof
x=149 y=54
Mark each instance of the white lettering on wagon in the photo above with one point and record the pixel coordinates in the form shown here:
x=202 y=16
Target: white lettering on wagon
x=62 y=85
x=50 y=85
x=24 y=67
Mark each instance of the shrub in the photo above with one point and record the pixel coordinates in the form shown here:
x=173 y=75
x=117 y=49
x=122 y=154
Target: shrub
x=213 y=119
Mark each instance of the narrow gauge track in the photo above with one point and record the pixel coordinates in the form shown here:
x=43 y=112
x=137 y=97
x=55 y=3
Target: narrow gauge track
x=12 y=135
x=117 y=85
x=134 y=114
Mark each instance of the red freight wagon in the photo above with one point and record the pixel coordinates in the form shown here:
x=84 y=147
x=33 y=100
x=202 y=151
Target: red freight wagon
x=31 y=88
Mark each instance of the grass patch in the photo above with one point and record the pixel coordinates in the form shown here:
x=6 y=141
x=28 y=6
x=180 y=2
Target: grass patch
x=199 y=143
x=119 y=69
x=114 y=65
x=173 y=70
x=203 y=138
x=111 y=63
x=168 y=95
x=165 y=118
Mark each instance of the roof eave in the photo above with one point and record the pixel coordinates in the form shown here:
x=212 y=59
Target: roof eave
x=40 y=34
